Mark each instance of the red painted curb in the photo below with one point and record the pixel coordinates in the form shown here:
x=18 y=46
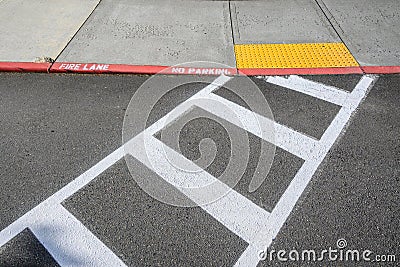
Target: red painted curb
x=134 y=69
x=300 y=71
x=65 y=67
x=24 y=67
x=381 y=69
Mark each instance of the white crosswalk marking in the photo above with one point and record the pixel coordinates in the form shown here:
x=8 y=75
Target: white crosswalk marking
x=290 y=197
x=233 y=210
x=69 y=241
x=241 y=216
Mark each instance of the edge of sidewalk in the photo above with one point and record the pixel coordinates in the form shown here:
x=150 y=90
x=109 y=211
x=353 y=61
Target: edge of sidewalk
x=101 y=68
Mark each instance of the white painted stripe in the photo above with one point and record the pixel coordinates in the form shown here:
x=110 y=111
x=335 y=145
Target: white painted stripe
x=249 y=257
x=288 y=200
x=318 y=90
x=342 y=118
x=237 y=213
x=304 y=175
x=286 y=204
x=299 y=183
x=233 y=210
x=288 y=139
x=21 y=223
x=14 y=229
x=69 y=241
x=34 y=216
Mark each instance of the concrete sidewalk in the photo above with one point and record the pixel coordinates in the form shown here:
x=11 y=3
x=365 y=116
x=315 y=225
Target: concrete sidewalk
x=252 y=37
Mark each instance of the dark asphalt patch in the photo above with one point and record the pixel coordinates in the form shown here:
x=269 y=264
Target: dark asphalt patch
x=351 y=80
x=145 y=232
x=53 y=128
x=25 y=250
x=172 y=99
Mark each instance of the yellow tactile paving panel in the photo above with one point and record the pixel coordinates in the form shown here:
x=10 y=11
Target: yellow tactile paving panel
x=313 y=55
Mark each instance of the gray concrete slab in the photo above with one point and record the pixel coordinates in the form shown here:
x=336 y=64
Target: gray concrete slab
x=369 y=28
x=154 y=33
x=294 y=21
x=39 y=28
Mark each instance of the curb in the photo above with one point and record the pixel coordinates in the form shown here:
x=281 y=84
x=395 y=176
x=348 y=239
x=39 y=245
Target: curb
x=24 y=67
x=72 y=67
x=381 y=69
x=96 y=68
x=65 y=67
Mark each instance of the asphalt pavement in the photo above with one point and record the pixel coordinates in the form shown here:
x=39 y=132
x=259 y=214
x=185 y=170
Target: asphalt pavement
x=56 y=127
x=155 y=133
